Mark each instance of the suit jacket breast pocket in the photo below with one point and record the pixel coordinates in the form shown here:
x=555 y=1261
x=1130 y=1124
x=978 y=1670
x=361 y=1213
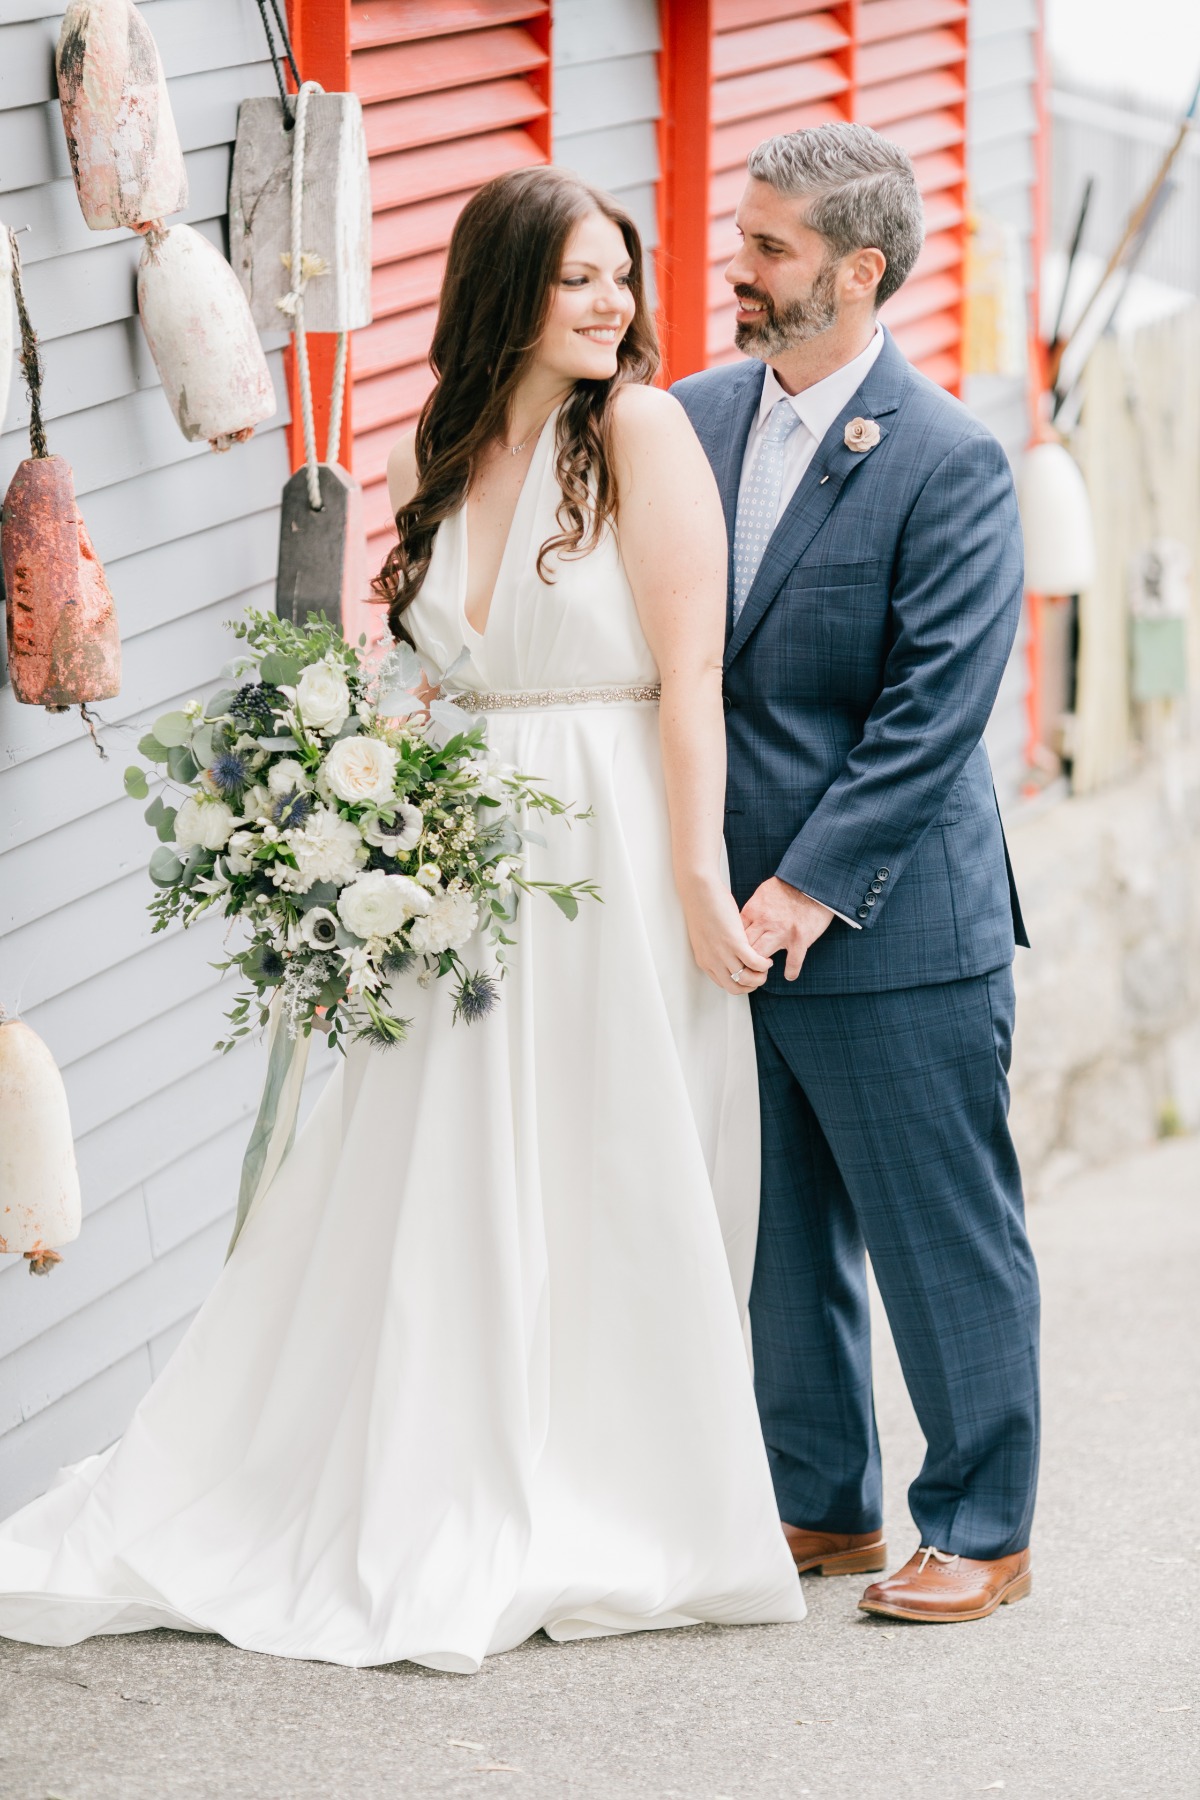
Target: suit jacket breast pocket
x=851 y=607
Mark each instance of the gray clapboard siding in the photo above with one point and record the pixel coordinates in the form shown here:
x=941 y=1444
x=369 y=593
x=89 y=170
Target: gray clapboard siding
x=33 y=148
x=192 y=35
x=587 y=33
x=188 y=540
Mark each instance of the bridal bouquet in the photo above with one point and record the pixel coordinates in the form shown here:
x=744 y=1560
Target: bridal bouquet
x=354 y=832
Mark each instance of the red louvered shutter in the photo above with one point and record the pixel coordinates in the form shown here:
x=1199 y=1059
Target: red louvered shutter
x=454 y=92
x=781 y=65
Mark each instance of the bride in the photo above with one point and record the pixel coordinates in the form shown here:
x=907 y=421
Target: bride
x=477 y=1367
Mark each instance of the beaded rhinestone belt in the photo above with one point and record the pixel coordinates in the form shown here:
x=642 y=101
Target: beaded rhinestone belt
x=597 y=696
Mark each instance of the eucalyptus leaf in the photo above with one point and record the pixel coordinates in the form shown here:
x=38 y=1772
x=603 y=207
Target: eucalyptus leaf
x=173 y=728
x=193 y=863
x=566 y=903
x=181 y=764
x=202 y=745
x=151 y=749
x=277 y=743
x=220 y=703
x=351 y=728
x=278 y=670
x=136 y=785
x=165 y=867
x=397 y=703
x=322 y=893
x=166 y=825
x=154 y=811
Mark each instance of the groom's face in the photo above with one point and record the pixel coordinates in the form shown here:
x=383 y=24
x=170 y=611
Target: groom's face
x=784 y=275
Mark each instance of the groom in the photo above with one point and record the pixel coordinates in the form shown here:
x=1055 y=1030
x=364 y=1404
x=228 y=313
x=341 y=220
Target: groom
x=874 y=588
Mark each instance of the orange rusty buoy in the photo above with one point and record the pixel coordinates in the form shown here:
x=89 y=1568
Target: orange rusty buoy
x=121 y=136
x=63 y=644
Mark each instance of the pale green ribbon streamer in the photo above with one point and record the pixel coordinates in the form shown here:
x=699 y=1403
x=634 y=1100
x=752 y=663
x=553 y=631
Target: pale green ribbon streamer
x=275 y=1127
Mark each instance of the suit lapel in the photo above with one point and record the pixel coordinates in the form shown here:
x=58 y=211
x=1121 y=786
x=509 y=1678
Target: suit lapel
x=831 y=467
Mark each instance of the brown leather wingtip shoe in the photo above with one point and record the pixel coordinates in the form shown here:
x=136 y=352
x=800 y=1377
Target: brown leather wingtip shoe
x=835 y=1552
x=934 y=1588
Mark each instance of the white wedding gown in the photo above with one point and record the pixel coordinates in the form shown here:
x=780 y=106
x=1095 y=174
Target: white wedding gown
x=477 y=1364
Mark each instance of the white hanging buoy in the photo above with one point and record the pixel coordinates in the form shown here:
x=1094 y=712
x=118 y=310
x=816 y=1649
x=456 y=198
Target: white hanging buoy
x=6 y=320
x=124 y=148
x=39 y=1182
x=1056 y=519
x=336 y=212
x=202 y=338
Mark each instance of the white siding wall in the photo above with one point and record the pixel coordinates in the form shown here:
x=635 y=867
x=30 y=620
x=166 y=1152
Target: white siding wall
x=188 y=539
x=1002 y=169
x=606 y=102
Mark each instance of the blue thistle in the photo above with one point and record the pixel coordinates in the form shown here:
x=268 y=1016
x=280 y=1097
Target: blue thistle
x=230 y=774
x=291 y=811
x=476 y=996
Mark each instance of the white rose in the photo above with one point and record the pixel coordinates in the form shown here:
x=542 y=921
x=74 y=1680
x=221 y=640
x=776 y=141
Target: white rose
x=255 y=804
x=328 y=848
x=319 y=928
x=362 y=768
x=322 y=697
x=205 y=822
x=377 y=904
x=401 y=835
x=430 y=874
x=287 y=777
x=447 y=926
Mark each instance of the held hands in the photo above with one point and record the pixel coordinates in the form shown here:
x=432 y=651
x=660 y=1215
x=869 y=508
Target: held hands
x=778 y=917
x=719 y=943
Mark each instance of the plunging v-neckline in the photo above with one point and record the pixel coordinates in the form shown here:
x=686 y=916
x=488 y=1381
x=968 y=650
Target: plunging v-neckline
x=474 y=630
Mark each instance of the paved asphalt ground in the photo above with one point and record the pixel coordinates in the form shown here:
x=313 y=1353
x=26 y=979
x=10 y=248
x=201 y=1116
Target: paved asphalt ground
x=1088 y=1689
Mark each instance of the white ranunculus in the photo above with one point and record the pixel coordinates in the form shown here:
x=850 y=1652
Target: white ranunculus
x=205 y=822
x=430 y=874
x=447 y=926
x=328 y=848
x=322 y=697
x=377 y=904
x=237 y=853
x=402 y=835
x=319 y=927
x=360 y=769
x=287 y=777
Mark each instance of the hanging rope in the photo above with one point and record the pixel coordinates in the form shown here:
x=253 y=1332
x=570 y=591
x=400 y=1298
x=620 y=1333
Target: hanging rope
x=286 y=42
x=303 y=269
x=31 y=360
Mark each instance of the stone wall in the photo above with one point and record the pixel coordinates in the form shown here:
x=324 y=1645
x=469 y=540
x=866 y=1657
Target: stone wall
x=1107 y=1052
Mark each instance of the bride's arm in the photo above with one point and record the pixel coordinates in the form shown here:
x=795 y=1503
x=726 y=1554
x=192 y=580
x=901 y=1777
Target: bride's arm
x=674 y=549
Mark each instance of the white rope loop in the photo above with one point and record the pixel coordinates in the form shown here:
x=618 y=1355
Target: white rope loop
x=302 y=269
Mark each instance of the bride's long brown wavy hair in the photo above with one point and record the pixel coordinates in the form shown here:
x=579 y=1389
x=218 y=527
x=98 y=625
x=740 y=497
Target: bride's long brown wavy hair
x=504 y=262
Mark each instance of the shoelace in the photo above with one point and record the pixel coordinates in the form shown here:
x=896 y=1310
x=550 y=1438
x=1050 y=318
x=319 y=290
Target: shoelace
x=927 y=1550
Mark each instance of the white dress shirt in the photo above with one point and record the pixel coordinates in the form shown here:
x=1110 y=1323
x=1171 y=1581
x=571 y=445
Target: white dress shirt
x=816 y=407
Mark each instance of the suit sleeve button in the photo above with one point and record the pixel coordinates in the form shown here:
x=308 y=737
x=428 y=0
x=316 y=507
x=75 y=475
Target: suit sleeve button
x=864 y=912
x=877 y=887
x=869 y=900
x=882 y=874
x=726 y=702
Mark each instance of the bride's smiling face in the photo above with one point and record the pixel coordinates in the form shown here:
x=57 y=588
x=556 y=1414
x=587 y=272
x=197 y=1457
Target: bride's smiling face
x=592 y=306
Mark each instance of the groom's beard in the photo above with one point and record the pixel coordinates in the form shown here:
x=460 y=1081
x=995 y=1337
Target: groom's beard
x=782 y=328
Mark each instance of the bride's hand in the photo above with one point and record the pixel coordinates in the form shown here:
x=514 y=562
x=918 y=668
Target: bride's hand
x=719 y=942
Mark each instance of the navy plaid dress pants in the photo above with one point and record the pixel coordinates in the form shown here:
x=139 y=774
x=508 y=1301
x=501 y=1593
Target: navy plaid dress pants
x=885 y=1125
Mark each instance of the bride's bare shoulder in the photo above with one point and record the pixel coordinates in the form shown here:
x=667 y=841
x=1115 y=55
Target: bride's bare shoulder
x=647 y=421
x=402 y=471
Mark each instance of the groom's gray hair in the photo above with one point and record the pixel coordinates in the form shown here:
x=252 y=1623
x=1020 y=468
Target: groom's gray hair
x=863 y=188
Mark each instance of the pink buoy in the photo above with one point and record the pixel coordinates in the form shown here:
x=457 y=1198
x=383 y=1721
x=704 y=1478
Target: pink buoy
x=202 y=338
x=121 y=136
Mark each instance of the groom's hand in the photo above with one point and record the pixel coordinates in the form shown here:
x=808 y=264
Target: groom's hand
x=778 y=917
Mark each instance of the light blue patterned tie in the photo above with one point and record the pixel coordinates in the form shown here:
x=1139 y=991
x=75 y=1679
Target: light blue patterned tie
x=758 y=502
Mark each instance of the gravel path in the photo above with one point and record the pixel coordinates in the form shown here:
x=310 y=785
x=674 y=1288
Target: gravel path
x=1087 y=1689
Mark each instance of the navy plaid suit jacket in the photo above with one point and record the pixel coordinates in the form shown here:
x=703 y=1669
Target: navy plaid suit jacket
x=860 y=676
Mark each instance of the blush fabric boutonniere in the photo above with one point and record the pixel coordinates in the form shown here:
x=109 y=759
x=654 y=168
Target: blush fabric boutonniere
x=861 y=434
